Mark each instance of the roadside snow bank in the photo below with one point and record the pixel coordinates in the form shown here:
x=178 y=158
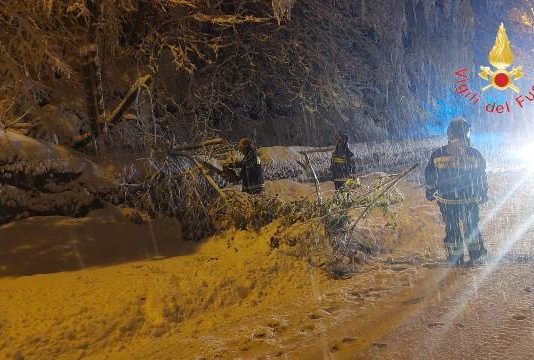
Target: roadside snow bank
x=288 y=163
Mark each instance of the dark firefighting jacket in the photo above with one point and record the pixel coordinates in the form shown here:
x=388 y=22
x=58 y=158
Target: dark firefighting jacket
x=456 y=173
x=252 y=172
x=342 y=163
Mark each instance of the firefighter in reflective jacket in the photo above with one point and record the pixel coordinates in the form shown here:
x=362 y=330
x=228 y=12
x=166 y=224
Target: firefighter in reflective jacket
x=342 y=161
x=251 y=174
x=456 y=178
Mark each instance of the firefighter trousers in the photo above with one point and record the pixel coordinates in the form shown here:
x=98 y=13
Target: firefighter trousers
x=455 y=216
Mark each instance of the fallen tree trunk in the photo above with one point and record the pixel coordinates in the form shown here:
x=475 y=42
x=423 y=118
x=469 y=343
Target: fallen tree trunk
x=206 y=143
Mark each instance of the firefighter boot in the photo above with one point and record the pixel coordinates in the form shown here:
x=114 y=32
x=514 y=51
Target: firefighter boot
x=455 y=255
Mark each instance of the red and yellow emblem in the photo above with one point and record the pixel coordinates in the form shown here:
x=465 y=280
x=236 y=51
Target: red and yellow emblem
x=501 y=57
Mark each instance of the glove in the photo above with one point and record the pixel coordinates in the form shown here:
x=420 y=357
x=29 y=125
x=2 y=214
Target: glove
x=430 y=194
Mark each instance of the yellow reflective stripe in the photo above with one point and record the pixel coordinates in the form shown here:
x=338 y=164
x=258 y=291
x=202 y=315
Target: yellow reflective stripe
x=254 y=187
x=342 y=179
x=339 y=160
x=457 y=162
x=455 y=201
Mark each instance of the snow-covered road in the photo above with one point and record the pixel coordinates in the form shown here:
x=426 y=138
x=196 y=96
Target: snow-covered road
x=485 y=312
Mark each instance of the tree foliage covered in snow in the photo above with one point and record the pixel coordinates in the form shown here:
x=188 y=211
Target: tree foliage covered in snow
x=282 y=71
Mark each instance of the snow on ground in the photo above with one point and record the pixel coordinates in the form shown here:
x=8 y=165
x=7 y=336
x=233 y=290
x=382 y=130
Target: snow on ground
x=106 y=295
x=14 y=145
x=281 y=162
x=483 y=312
x=55 y=243
x=116 y=285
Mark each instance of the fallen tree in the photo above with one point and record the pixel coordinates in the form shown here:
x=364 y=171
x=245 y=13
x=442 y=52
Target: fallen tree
x=184 y=182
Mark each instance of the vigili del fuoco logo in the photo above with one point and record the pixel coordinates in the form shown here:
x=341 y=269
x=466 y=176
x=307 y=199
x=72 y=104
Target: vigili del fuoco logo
x=498 y=77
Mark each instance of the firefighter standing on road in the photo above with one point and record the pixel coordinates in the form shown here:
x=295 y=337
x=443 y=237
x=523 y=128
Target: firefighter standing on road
x=342 y=161
x=251 y=174
x=456 y=178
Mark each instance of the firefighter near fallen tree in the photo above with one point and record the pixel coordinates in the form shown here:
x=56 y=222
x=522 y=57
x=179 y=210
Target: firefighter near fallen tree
x=342 y=163
x=251 y=174
x=456 y=178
